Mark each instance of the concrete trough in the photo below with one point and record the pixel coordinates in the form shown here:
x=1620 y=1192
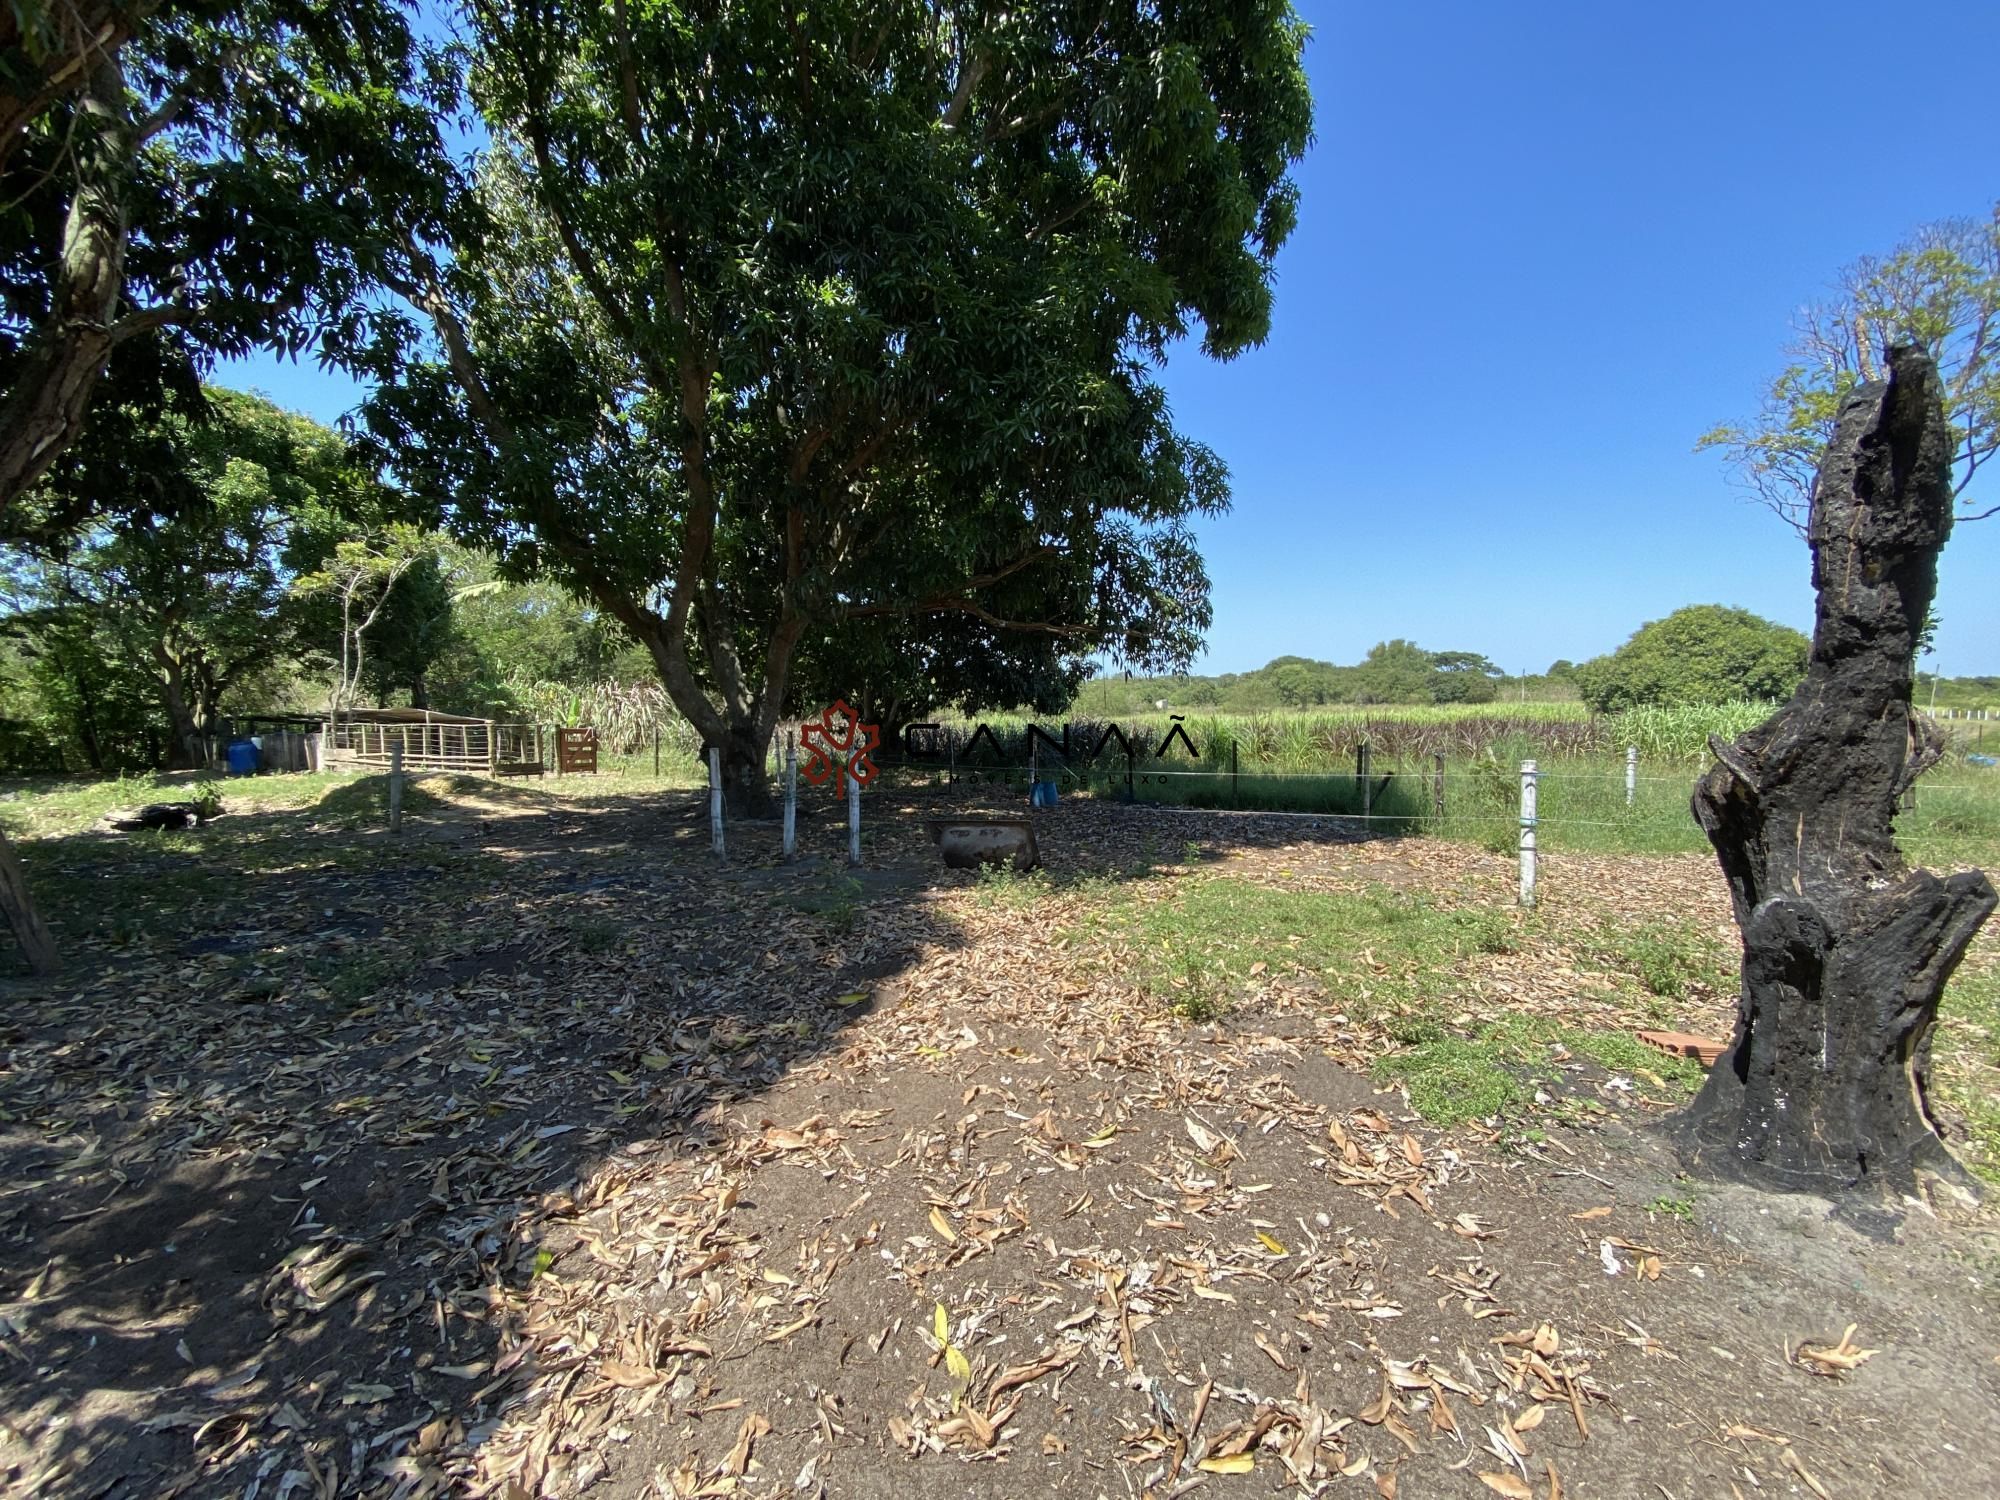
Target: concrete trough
x=967 y=843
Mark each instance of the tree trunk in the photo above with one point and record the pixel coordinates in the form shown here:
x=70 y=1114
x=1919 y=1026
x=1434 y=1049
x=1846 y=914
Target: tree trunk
x=1845 y=949
x=746 y=790
x=45 y=409
x=187 y=733
x=36 y=944
x=71 y=35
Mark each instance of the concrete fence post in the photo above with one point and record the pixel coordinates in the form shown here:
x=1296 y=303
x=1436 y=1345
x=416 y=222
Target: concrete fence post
x=791 y=795
x=853 y=819
x=1528 y=821
x=396 y=787
x=715 y=799
x=1631 y=774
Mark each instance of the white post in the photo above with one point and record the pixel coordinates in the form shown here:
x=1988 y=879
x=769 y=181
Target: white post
x=1631 y=774
x=853 y=820
x=715 y=799
x=1527 y=833
x=791 y=795
x=396 y=787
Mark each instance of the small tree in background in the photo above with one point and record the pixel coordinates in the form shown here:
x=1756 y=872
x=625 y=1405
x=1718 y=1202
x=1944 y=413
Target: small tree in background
x=188 y=589
x=1463 y=677
x=1705 y=653
x=1396 y=671
x=360 y=578
x=1938 y=290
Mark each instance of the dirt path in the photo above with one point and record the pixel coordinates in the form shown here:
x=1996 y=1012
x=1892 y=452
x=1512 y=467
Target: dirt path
x=533 y=1157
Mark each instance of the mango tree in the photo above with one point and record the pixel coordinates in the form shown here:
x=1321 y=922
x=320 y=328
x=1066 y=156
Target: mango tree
x=767 y=320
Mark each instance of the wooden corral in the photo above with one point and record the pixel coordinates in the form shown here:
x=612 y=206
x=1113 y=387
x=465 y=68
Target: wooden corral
x=430 y=741
x=518 y=750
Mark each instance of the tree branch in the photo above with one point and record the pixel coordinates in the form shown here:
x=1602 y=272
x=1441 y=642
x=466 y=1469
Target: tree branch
x=970 y=75
x=954 y=603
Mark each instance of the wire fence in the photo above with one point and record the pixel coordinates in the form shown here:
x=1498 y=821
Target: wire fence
x=1561 y=809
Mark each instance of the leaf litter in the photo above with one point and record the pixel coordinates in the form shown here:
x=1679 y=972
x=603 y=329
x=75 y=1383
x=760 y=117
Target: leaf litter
x=934 y=1202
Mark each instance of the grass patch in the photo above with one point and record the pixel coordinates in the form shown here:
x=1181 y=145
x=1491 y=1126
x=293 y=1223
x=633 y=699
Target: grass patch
x=1454 y=1077
x=49 y=807
x=352 y=980
x=1376 y=952
x=1966 y=1063
x=128 y=890
x=1003 y=885
x=1668 y=960
x=597 y=934
x=1673 y=1207
x=835 y=899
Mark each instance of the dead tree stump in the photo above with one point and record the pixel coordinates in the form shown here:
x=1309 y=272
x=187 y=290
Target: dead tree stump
x=1846 y=950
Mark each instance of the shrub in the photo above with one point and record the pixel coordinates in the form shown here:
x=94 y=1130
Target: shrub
x=1706 y=653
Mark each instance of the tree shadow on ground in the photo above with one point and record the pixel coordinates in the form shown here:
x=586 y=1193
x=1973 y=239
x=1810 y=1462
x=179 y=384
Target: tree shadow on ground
x=280 y=1147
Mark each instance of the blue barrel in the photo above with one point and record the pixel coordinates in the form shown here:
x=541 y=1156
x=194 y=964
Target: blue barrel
x=1043 y=794
x=242 y=757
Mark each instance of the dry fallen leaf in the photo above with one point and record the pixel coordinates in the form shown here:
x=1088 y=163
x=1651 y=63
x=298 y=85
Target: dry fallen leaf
x=629 y=1377
x=1843 y=1356
x=1792 y=1462
x=1231 y=1463
x=738 y=1459
x=1512 y=1486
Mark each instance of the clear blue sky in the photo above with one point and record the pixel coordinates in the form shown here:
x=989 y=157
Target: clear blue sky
x=1543 y=248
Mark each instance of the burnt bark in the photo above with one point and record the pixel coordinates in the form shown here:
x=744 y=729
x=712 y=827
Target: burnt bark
x=1846 y=950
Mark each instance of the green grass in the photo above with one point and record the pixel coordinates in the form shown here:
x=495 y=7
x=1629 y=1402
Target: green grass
x=1376 y=953
x=1669 y=960
x=1003 y=885
x=280 y=833
x=1673 y=1207
x=597 y=934
x=1397 y=960
x=1491 y=1070
x=49 y=806
x=1966 y=1062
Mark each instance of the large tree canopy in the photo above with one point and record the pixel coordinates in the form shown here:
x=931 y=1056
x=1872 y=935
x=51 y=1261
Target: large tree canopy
x=191 y=179
x=769 y=320
x=1939 y=291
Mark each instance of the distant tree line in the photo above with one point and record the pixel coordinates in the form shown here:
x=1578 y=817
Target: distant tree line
x=267 y=572
x=1397 y=671
x=1702 y=654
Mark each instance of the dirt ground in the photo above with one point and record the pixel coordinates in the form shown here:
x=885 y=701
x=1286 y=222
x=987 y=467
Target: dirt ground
x=532 y=1154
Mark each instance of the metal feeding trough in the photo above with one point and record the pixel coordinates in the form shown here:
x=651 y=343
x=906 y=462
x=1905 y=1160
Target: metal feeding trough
x=967 y=843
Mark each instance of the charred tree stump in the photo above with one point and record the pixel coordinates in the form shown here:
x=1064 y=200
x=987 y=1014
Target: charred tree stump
x=1846 y=950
